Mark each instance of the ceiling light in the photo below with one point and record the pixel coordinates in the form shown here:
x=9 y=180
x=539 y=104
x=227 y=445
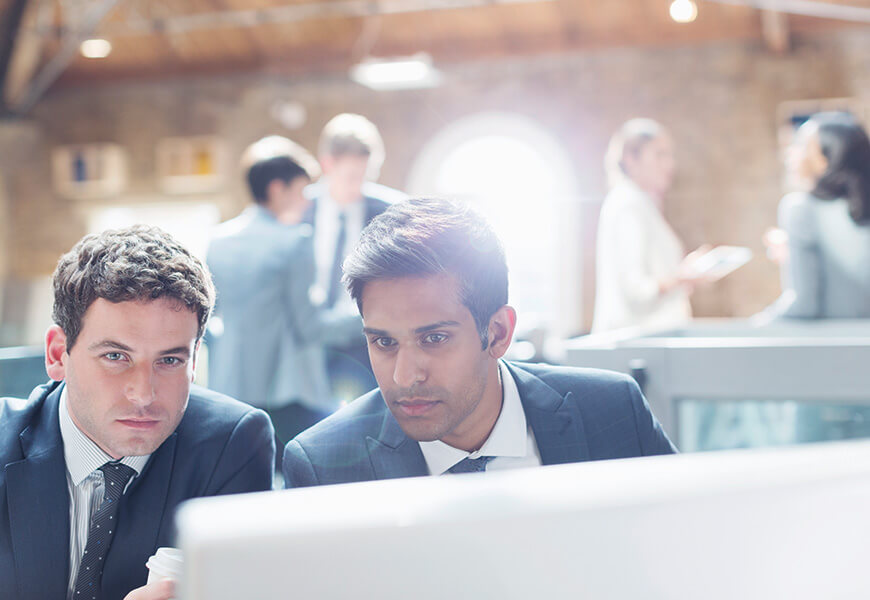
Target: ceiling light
x=96 y=48
x=412 y=72
x=684 y=11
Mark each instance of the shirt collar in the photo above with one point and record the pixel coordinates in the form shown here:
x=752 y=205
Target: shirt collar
x=258 y=209
x=82 y=455
x=509 y=436
x=329 y=207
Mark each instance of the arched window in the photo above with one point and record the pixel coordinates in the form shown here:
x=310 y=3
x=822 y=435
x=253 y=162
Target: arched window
x=518 y=176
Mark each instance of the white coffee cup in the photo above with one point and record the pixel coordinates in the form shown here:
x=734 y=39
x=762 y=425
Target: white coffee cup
x=166 y=563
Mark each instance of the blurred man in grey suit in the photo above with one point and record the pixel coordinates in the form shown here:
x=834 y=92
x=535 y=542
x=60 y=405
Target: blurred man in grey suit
x=267 y=346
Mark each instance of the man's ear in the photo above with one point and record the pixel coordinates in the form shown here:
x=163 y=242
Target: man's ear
x=55 y=353
x=501 y=330
x=274 y=189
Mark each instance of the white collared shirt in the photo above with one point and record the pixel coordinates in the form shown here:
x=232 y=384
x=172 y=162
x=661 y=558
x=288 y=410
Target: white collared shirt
x=511 y=441
x=84 y=483
x=326 y=226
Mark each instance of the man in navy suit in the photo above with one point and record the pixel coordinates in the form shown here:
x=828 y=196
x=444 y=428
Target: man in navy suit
x=94 y=463
x=430 y=280
x=343 y=202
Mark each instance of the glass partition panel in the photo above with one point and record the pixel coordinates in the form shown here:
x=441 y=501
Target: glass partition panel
x=723 y=425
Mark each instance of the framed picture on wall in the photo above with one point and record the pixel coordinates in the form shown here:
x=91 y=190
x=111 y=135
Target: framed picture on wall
x=794 y=113
x=85 y=171
x=191 y=165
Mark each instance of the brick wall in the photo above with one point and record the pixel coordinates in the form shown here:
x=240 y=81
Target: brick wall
x=719 y=100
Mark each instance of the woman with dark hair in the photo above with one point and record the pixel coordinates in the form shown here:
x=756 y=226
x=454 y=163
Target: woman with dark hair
x=826 y=272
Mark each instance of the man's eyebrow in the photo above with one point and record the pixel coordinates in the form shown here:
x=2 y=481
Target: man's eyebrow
x=112 y=344
x=109 y=344
x=183 y=350
x=437 y=325
x=423 y=329
x=373 y=331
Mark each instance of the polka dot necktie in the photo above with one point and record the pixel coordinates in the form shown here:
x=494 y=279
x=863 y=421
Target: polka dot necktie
x=470 y=465
x=115 y=476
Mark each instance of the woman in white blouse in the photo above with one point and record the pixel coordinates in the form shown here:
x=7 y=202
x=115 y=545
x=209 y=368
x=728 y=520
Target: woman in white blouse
x=643 y=275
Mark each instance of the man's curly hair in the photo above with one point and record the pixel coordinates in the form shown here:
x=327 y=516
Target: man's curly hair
x=135 y=263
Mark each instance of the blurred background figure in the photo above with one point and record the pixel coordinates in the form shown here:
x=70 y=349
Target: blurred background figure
x=351 y=153
x=265 y=346
x=823 y=240
x=146 y=119
x=643 y=277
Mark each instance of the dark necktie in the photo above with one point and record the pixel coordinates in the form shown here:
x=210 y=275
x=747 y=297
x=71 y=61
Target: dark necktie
x=470 y=465
x=337 y=259
x=103 y=523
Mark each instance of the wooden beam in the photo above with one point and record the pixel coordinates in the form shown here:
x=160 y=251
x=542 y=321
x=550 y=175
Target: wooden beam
x=283 y=14
x=26 y=54
x=774 y=30
x=808 y=8
x=9 y=28
x=69 y=47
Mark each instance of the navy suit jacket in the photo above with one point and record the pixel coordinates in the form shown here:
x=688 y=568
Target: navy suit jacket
x=575 y=415
x=221 y=446
x=377 y=199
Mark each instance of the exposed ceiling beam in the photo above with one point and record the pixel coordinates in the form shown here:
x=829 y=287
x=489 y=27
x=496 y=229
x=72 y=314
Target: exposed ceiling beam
x=808 y=8
x=135 y=24
x=9 y=28
x=28 y=51
x=774 y=30
x=91 y=15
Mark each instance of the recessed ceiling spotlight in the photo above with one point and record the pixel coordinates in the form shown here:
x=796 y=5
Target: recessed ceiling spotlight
x=412 y=72
x=684 y=11
x=96 y=48
x=290 y=113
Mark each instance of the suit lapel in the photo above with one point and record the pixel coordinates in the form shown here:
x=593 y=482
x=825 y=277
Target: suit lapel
x=392 y=453
x=39 y=506
x=373 y=209
x=555 y=420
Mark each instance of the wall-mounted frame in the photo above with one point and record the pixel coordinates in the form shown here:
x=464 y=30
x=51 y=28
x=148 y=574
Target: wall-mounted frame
x=792 y=114
x=85 y=171
x=191 y=165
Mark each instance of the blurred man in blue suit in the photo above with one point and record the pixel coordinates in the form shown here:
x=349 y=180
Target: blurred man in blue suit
x=343 y=202
x=94 y=463
x=430 y=279
x=266 y=344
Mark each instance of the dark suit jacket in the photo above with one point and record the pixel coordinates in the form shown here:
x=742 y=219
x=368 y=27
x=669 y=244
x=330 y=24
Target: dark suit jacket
x=221 y=446
x=575 y=415
x=374 y=207
x=377 y=199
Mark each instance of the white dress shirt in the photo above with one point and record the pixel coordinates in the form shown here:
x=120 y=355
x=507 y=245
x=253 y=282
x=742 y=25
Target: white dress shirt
x=85 y=483
x=326 y=226
x=636 y=249
x=511 y=441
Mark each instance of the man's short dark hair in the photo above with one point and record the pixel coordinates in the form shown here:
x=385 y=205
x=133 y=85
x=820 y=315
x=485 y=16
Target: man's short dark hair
x=138 y=263
x=420 y=238
x=275 y=157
